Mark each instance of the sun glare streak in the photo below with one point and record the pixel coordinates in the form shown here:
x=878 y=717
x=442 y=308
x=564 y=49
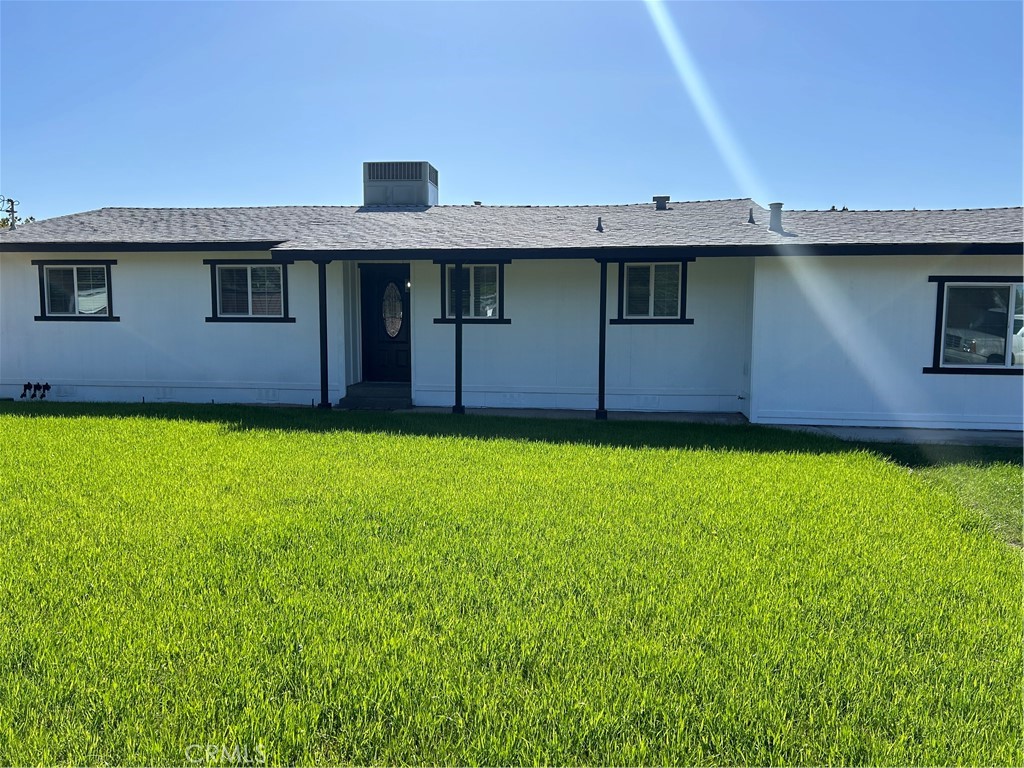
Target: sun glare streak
x=894 y=389
x=863 y=344
x=726 y=144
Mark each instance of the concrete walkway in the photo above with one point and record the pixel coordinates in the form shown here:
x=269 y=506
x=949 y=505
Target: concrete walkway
x=564 y=413
x=992 y=437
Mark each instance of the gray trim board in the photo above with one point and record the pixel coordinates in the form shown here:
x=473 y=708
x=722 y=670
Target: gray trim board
x=658 y=253
x=123 y=247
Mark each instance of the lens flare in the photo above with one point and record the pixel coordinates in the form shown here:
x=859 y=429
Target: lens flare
x=726 y=144
x=863 y=343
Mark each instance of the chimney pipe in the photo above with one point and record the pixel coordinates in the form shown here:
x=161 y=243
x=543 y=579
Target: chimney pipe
x=660 y=202
x=775 y=224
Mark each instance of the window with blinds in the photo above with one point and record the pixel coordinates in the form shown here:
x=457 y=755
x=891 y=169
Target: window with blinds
x=76 y=290
x=250 y=291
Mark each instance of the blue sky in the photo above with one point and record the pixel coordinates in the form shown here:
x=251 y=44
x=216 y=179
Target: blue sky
x=864 y=104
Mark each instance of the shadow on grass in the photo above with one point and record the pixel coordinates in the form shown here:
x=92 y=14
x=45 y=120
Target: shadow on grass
x=629 y=434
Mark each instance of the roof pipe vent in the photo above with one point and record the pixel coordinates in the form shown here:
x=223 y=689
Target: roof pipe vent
x=775 y=224
x=660 y=202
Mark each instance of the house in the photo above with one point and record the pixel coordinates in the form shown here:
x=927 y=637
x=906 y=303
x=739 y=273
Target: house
x=887 y=318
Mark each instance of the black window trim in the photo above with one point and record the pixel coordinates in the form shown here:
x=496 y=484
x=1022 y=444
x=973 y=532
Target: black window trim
x=216 y=317
x=621 y=319
x=940 y=305
x=500 y=319
x=43 y=315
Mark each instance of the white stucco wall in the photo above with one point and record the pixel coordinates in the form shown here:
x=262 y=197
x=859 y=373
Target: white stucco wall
x=547 y=357
x=162 y=349
x=699 y=367
x=844 y=341
x=805 y=341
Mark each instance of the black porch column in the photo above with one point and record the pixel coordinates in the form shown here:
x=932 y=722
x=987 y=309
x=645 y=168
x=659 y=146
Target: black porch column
x=457 y=278
x=321 y=270
x=601 y=414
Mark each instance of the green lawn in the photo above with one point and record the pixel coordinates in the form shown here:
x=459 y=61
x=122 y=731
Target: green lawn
x=993 y=489
x=309 y=587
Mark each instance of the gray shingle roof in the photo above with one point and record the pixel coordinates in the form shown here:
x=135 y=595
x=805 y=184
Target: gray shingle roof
x=347 y=228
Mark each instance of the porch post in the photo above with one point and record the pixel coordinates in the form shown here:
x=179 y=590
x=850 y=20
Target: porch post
x=457 y=278
x=601 y=414
x=321 y=269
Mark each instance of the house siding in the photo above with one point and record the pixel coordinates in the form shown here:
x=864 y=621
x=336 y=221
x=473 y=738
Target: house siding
x=162 y=348
x=844 y=341
x=800 y=340
x=548 y=356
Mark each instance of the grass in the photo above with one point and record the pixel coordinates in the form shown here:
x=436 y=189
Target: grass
x=993 y=489
x=303 y=587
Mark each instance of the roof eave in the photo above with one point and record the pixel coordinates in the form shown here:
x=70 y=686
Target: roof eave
x=632 y=252
x=603 y=253
x=123 y=247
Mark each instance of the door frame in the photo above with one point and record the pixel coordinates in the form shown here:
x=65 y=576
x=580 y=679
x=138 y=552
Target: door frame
x=365 y=332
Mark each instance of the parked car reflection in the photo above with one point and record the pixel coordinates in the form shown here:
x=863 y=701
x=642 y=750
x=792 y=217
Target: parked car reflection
x=982 y=342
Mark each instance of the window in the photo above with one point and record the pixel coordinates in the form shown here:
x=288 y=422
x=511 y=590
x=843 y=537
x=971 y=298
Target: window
x=979 y=325
x=482 y=293
x=74 y=290
x=652 y=290
x=983 y=325
x=249 y=292
x=652 y=293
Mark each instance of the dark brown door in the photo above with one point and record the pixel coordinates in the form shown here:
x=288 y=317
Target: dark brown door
x=385 y=301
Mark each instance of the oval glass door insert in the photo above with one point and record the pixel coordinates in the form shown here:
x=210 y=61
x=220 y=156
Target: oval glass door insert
x=392 y=310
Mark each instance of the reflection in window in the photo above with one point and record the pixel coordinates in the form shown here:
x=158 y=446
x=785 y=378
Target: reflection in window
x=983 y=324
x=480 y=294
x=266 y=290
x=1017 y=339
x=74 y=290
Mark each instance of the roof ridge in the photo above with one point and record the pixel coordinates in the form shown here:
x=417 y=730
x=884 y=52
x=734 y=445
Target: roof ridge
x=904 y=210
x=517 y=205
x=392 y=206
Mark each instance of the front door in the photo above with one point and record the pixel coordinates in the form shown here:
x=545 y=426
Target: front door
x=386 y=318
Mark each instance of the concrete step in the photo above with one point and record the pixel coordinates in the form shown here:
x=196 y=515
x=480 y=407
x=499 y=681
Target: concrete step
x=377 y=396
x=375 y=403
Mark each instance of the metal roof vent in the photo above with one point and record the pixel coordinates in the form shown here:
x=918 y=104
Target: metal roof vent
x=660 y=202
x=399 y=183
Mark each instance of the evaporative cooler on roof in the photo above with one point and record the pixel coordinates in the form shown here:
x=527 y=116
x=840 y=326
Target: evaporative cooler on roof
x=399 y=183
